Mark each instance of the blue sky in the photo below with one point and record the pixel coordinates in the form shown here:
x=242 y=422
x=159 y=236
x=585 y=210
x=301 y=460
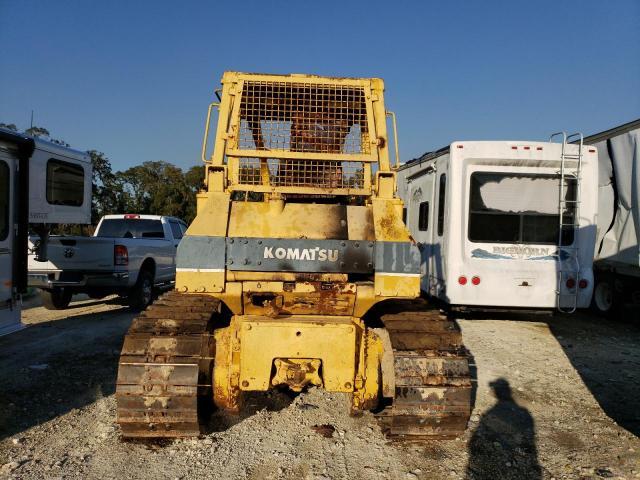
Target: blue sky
x=134 y=78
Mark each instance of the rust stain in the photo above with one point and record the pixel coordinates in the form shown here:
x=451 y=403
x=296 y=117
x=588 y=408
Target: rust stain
x=325 y=430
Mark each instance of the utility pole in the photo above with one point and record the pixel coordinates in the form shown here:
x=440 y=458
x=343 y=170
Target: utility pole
x=32 y=118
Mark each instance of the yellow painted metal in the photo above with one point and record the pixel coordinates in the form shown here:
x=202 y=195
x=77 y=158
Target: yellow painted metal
x=370 y=121
x=256 y=353
x=300 y=220
x=201 y=200
x=213 y=218
x=199 y=281
x=396 y=286
x=288 y=327
x=395 y=137
x=232 y=296
x=298 y=298
x=206 y=131
x=387 y=221
x=239 y=276
x=284 y=154
x=367 y=380
x=226 y=371
x=329 y=339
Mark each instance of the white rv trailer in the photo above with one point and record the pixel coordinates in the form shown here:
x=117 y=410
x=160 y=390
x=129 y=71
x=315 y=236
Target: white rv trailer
x=41 y=183
x=617 y=261
x=505 y=223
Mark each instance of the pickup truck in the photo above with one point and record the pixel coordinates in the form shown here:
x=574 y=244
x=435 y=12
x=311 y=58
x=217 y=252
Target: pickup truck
x=130 y=255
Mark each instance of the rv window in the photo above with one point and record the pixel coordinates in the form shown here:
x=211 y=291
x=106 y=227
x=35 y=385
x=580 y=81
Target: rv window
x=423 y=217
x=4 y=200
x=404 y=215
x=65 y=183
x=518 y=208
x=441 y=200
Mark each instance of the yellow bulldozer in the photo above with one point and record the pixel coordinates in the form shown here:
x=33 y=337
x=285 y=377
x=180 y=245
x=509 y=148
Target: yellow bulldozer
x=297 y=271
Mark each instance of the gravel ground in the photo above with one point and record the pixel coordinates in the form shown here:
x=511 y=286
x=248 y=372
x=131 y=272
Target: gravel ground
x=557 y=397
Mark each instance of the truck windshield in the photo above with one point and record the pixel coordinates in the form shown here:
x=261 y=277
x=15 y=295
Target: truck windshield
x=519 y=208
x=130 y=228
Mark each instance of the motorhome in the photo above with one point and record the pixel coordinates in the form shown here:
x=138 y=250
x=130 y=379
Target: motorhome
x=505 y=223
x=41 y=183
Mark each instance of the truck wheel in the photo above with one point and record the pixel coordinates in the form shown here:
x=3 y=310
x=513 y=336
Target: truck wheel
x=141 y=295
x=602 y=301
x=57 y=298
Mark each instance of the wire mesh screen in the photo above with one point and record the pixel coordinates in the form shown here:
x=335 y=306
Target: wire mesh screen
x=301 y=173
x=303 y=117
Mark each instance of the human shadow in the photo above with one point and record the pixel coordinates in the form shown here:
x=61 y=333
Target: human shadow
x=503 y=444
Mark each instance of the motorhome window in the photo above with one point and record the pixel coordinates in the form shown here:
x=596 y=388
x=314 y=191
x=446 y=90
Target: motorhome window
x=175 y=230
x=441 y=200
x=130 y=228
x=65 y=183
x=423 y=217
x=519 y=208
x=404 y=215
x=4 y=200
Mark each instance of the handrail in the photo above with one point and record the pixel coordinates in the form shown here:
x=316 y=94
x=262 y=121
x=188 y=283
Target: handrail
x=395 y=137
x=206 y=131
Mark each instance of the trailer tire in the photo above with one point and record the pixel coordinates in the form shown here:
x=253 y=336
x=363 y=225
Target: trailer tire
x=603 y=297
x=141 y=295
x=58 y=298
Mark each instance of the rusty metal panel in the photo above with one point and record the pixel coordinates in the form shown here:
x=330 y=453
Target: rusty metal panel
x=332 y=340
x=158 y=379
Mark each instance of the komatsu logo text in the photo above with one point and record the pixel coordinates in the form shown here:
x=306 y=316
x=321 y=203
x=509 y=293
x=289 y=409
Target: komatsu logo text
x=311 y=254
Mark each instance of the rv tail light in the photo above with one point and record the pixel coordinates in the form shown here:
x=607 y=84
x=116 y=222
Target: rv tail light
x=527 y=148
x=475 y=280
x=514 y=148
x=571 y=282
x=460 y=146
x=120 y=255
x=131 y=215
x=592 y=150
x=462 y=280
x=538 y=148
x=583 y=283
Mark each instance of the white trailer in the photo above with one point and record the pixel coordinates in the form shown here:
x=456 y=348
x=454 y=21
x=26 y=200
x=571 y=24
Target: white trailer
x=505 y=223
x=41 y=184
x=617 y=256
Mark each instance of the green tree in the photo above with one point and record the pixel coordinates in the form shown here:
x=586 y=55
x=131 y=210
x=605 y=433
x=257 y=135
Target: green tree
x=194 y=178
x=108 y=195
x=159 y=188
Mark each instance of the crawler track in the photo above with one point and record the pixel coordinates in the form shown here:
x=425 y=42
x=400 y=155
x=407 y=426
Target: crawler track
x=166 y=364
x=165 y=367
x=432 y=381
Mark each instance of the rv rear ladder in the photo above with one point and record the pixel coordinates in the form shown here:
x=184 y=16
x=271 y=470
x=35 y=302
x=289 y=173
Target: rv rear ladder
x=568 y=268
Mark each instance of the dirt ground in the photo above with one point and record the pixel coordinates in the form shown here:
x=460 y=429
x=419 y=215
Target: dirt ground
x=557 y=397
